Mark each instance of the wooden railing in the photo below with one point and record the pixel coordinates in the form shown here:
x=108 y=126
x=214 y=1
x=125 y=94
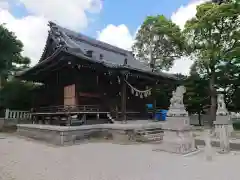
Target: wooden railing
x=68 y=108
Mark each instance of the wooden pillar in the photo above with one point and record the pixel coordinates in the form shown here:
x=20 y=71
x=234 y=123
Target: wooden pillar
x=154 y=101
x=123 y=97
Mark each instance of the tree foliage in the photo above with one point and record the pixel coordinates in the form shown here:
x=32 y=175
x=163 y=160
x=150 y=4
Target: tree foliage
x=213 y=39
x=196 y=97
x=163 y=95
x=16 y=95
x=11 y=59
x=158 y=42
x=13 y=94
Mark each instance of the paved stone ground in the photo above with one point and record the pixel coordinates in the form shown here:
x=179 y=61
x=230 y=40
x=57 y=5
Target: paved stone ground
x=22 y=159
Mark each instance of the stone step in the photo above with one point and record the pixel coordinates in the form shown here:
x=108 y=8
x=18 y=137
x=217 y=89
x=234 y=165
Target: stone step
x=154 y=137
x=152 y=131
x=148 y=135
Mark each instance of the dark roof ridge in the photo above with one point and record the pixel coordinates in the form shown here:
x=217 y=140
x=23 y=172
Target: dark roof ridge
x=91 y=41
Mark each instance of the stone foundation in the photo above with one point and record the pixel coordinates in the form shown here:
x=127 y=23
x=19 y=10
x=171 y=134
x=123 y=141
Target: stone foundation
x=220 y=121
x=178 y=137
x=177 y=141
x=1 y=123
x=62 y=135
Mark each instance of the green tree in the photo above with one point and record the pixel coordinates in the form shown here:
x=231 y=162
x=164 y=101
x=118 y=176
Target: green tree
x=234 y=104
x=163 y=95
x=11 y=59
x=158 y=42
x=196 y=97
x=213 y=39
x=225 y=1
x=17 y=95
x=227 y=79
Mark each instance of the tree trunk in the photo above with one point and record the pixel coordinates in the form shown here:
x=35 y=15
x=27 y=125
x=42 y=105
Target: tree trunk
x=213 y=99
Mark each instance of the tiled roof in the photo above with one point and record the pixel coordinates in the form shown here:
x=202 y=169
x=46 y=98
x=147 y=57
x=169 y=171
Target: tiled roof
x=111 y=56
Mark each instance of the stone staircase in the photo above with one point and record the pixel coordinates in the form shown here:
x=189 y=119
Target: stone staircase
x=149 y=135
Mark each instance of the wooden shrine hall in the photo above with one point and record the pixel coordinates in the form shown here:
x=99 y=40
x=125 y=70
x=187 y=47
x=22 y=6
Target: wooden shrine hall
x=87 y=79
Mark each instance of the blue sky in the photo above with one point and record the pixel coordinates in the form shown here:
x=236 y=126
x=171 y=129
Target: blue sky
x=132 y=12
x=111 y=21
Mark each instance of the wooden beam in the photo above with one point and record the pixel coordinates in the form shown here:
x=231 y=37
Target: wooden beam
x=48 y=67
x=123 y=98
x=154 y=101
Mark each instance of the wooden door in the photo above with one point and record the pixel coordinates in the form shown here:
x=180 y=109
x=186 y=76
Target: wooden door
x=70 y=95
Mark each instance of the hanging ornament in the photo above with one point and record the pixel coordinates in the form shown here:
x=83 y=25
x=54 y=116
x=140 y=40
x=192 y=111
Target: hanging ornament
x=132 y=90
x=137 y=92
x=119 y=81
x=146 y=94
x=126 y=76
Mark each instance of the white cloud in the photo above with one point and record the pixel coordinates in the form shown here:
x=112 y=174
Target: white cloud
x=32 y=30
x=185 y=13
x=117 y=35
x=181 y=66
x=71 y=13
x=4 y=4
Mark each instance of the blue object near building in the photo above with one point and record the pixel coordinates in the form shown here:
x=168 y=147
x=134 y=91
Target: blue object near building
x=149 y=106
x=161 y=115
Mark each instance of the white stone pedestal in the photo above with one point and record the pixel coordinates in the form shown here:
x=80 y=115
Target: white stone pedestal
x=222 y=128
x=178 y=137
x=178 y=110
x=223 y=120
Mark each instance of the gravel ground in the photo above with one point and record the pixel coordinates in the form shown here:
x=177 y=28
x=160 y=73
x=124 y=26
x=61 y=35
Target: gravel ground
x=22 y=159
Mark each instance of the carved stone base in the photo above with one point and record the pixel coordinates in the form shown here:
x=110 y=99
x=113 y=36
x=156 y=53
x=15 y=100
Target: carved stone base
x=177 y=141
x=220 y=121
x=177 y=123
x=177 y=111
x=224 y=138
x=218 y=128
x=222 y=112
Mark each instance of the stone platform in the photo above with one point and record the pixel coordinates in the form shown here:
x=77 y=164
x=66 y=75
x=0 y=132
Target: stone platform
x=178 y=136
x=63 y=135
